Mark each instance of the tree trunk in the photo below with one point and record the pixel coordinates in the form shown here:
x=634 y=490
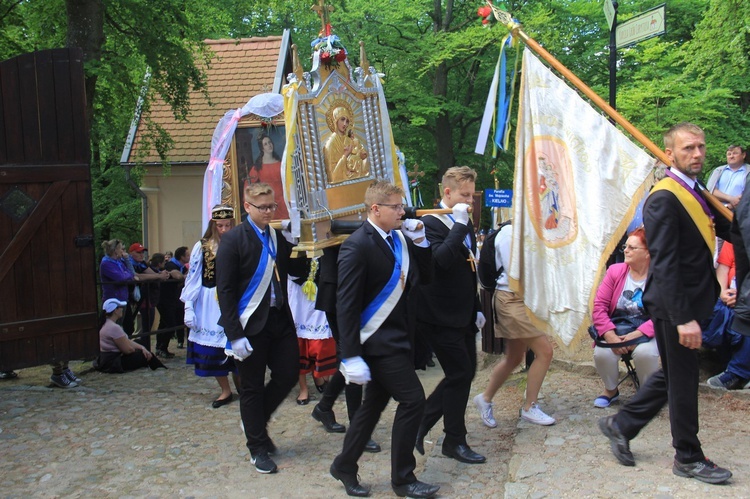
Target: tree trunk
x=86 y=30
x=444 y=149
x=443 y=131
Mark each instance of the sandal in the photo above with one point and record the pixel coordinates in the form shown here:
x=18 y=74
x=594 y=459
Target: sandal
x=603 y=401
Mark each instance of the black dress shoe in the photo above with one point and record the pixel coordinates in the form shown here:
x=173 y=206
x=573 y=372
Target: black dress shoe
x=328 y=418
x=8 y=375
x=617 y=442
x=416 y=489
x=351 y=483
x=463 y=453
x=372 y=446
x=419 y=445
x=219 y=402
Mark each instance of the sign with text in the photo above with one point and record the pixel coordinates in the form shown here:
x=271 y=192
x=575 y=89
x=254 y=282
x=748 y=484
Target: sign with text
x=498 y=198
x=642 y=27
x=609 y=12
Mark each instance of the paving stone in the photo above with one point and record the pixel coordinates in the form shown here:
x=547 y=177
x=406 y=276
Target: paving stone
x=145 y=434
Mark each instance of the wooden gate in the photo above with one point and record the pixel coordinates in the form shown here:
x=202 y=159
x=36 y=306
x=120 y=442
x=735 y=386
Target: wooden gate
x=48 y=299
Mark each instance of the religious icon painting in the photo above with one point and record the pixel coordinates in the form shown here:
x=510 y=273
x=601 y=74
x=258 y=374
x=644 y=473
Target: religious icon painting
x=257 y=150
x=551 y=194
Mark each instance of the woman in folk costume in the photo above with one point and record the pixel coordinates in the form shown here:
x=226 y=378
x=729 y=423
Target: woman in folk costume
x=206 y=341
x=317 y=348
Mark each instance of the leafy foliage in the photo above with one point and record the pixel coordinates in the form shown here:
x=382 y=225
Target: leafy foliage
x=436 y=57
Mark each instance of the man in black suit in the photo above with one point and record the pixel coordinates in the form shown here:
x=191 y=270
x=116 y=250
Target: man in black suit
x=326 y=301
x=252 y=265
x=680 y=292
x=448 y=314
x=377 y=267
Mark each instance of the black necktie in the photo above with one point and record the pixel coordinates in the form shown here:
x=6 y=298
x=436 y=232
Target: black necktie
x=390 y=242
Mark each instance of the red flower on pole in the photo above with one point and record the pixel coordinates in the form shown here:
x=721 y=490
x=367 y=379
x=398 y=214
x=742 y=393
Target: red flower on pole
x=325 y=57
x=484 y=11
x=341 y=56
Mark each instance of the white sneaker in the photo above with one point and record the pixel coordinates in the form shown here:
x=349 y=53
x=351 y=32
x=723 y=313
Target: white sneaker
x=537 y=416
x=485 y=411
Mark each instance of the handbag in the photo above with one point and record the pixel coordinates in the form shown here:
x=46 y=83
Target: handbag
x=623 y=325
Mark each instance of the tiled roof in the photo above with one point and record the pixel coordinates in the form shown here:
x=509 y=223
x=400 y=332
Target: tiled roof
x=239 y=70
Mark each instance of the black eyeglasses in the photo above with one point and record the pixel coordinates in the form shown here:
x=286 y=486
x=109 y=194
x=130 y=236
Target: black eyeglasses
x=266 y=208
x=397 y=207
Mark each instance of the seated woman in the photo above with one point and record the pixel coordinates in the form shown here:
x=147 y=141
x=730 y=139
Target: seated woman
x=620 y=297
x=117 y=352
x=733 y=348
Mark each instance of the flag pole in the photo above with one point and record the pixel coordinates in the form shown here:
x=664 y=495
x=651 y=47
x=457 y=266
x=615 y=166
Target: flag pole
x=515 y=29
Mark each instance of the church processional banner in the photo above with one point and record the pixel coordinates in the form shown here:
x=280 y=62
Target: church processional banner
x=575 y=178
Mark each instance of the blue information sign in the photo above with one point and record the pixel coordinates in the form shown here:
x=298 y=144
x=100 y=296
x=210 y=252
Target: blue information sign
x=498 y=198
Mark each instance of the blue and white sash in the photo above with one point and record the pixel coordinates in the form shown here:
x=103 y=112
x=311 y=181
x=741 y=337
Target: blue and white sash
x=381 y=307
x=261 y=279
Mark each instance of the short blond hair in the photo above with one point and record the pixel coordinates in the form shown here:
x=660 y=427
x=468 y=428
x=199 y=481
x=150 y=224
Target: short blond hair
x=685 y=126
x=457 y=175
x=258 y=189
x=380 y=191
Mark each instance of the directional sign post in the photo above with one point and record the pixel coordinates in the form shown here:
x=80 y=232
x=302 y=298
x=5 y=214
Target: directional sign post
x=642 y=27
x=498 y=198
x=609 y=12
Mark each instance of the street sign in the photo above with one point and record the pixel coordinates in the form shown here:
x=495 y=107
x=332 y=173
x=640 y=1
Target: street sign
x=609 y=12
x=642 y=27
x=498 y=198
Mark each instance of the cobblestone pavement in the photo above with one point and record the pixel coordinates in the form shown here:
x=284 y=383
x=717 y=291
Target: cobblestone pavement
x=154 y=434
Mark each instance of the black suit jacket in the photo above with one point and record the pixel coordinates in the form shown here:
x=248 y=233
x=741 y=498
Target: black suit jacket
x=681 y=283
x=451 y=298
x=328 y=280
x=364 y=266
x=236 y=261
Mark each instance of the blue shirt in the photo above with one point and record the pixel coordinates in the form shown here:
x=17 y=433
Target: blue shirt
x=732 y=182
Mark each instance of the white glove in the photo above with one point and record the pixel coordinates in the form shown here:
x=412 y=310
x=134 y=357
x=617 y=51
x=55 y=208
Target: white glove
x=286 y=231
x=461 y=213
x=355 y=370
x=239 y=349
x=480 y=320
x=413 y=229
x=189 y=317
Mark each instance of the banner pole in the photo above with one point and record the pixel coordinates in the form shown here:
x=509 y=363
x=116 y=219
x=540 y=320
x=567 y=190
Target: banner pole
x=515 y=28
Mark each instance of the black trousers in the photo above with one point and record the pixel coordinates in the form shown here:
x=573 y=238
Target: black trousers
x=337 y=384
x=147 y=322
x=171 y=315
x=275 y=348
x=456 y=349
x=676 y=384
x=392 y=376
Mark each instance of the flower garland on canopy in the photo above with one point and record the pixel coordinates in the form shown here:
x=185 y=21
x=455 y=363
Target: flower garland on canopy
x=331 y=50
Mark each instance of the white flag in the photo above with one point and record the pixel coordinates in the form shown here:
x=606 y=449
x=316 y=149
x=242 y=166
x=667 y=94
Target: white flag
x=575 y=179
